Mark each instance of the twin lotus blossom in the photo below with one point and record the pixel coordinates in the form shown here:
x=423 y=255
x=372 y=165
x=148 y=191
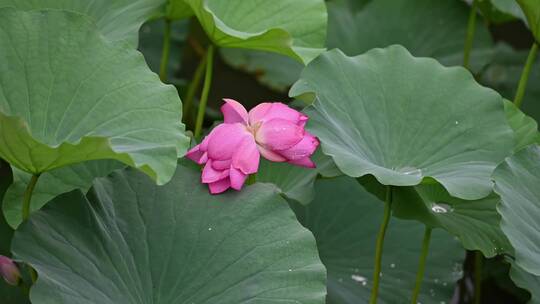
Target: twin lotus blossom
x=9 y=271
x=232 y=150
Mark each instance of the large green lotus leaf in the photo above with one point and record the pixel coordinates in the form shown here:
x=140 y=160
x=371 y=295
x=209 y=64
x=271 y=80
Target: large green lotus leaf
x=475 y=223
x=527 y=281
x=9 y=294
x=69 y=96
x=345 y=220
x=525 y=128
x=130 y=241
x=516 y=181
x=293 y=28
x=116 y=19
x=427 y=28
x=296 y=183
x=51 y=184
x=531 y=8
x=403 y=119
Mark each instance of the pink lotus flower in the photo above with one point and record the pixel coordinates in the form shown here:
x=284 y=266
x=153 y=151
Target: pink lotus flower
x=9 y=271
x=232 y=150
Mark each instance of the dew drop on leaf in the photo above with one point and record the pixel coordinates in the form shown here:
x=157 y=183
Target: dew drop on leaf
x=360 y=279
x=441 y=208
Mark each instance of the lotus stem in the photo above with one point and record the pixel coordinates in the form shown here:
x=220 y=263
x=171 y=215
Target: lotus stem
x=205 y=91
x=478 y=265
x=165 y=51
x=421 y=265
x=471 y=27
x=520 y=93
x=28 y=196
x=193 y=87
x=26 y=212
x=380 y=245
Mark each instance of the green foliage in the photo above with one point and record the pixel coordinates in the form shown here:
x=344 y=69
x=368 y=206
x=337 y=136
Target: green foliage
x=525 y=128
x=503 y=75
x=296 y=183
x=500 y=11
x=516 y=182
x=528 y=281
x=510 y=7
x=72 y=96
x=79 y=104
x=6 y=233
x=531 y=8
x=426 y=28
x=104 y=13
x=178 y=9
x=475 y=223
x=9 y=294
x=276 y=71
x=350 y=28
x=403 y=119
x=52 y=184
x=344 y=219
x=130 y=241
x=151 y=43
x=293 y=28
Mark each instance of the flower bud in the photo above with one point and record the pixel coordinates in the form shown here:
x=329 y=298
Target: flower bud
x=9 y=271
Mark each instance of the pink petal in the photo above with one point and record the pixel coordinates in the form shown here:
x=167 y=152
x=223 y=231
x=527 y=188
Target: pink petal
x=271 y=156
x=237 y=179
x=257 y=113
x=204 y=143
x=9 y=271
x=219 y=186
x=268 y=111
x=279 y=134
x=225 y=139
x=196 y=155
x=210 y=175
x=247 y=157
x=234 y=112
x=303 y=162
x=305 y=148
x=221 y=164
